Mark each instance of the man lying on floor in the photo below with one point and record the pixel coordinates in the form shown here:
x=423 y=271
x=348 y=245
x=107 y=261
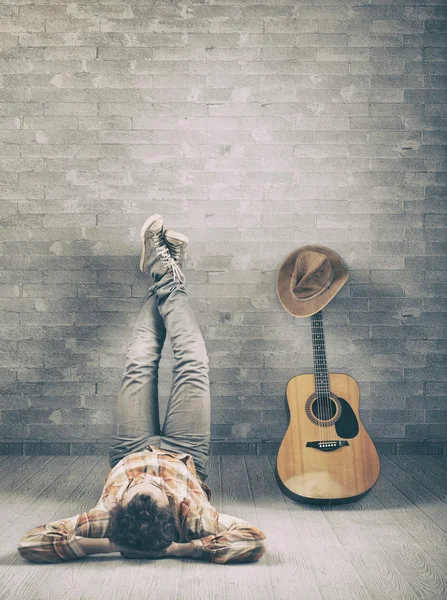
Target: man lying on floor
x=155 y=503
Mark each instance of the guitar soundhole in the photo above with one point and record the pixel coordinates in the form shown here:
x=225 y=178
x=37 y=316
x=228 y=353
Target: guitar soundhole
x=324 y=410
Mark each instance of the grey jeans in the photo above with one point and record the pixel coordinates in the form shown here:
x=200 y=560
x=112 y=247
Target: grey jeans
x=186 y=427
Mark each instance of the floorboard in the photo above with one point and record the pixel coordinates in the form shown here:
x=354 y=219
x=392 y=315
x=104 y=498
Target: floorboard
x=250 y=580
x=416 y=493
x=431 y=466
x=416 y=574
x=330 y=564
x=418 y=471
x=391 y=544
x=287 y=562
x=17 y=467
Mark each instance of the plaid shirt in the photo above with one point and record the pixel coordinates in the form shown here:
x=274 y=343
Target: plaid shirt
x=197 y=521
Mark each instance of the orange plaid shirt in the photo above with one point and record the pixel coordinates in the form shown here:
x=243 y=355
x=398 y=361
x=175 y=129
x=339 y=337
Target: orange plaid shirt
x=197 y=521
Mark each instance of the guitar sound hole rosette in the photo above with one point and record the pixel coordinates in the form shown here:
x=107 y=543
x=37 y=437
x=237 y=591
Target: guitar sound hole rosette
x=322 y=423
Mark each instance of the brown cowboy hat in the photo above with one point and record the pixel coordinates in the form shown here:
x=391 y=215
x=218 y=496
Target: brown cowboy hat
x=309 y=278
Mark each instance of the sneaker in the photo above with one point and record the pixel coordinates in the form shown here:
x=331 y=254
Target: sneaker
x=176 y=243
x=155 y=257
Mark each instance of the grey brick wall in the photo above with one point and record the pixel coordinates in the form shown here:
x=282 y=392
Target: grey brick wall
x=255 y=127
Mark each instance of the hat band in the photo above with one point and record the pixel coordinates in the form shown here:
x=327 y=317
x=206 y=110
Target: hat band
x=323 y=289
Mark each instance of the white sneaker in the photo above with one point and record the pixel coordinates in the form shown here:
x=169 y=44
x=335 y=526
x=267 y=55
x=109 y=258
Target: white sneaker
x=155 y=257
x=176 y=243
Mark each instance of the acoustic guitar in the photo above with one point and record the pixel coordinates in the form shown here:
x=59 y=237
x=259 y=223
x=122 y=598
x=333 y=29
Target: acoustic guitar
x=326 y=455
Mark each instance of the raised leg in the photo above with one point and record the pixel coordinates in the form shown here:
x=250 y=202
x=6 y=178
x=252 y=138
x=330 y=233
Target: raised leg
x=187 y=424
x=137 y=421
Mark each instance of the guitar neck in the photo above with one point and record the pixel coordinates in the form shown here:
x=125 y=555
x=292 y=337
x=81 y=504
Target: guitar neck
x=319 y=353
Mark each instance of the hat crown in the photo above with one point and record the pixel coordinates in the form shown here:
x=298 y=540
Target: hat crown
x=312 y=275
x=308 y=279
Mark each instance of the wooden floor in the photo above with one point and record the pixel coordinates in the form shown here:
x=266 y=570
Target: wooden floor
x=390 y=545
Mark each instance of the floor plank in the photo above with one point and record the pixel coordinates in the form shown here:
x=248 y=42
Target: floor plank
x=419 y=575
x=331 y=565
x=432 y=465
x=286 y=559
x=248 y=580
x=17 y=467
x=416 y=493
x=441 y=459
x=410 y=517
x=20 y=495
x=416 y=470
x=54 y=503
x=5 y=459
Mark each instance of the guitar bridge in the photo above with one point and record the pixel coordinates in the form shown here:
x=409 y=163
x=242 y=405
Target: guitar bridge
x=327 y=445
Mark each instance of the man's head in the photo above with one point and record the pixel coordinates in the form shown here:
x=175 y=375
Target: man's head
x=143 y=519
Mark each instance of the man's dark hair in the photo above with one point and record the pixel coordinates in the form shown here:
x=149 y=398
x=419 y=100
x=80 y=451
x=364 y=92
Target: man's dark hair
x=142 y=525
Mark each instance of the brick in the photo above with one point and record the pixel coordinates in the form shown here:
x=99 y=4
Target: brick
x=70 y=432
x=46 y=448
x=387 y=430
x=89 y=448
x=426 y=431
x=427 y=448
x=12 y=432
x=72 y=276
x=436 y=416
x=11 y=448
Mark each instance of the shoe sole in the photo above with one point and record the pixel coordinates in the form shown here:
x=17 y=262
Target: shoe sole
x=144 y=228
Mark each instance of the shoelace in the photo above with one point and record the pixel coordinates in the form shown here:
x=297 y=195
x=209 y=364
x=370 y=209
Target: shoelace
x=169 y=262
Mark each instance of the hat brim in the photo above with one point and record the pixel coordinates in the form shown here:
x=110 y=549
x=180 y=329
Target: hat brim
x=300 y=308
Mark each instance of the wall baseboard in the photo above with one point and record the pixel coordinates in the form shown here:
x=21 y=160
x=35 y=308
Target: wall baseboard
x=256 y=447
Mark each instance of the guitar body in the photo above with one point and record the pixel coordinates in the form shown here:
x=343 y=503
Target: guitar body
x=326 y=455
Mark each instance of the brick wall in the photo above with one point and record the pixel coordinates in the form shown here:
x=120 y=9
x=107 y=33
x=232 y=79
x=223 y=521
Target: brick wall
x=254 y=127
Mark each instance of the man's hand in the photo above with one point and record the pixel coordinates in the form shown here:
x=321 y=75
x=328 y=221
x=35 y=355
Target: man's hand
x=177 y=550
x=104 y=545
x=128 y=552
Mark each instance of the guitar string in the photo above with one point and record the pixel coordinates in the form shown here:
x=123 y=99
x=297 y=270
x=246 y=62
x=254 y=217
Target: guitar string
x=322 y=377
x=325 y=375
x=317 y=378
x=317 y=388
x=325 y=397
x=314 y=348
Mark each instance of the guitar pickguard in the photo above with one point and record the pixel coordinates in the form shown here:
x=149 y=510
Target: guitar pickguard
x=347 y=425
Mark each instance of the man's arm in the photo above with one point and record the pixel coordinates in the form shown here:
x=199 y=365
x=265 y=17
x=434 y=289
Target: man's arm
x=237 y=541
x=187 y=550
x=59 y=540
x=97 y=545
x=176 y=550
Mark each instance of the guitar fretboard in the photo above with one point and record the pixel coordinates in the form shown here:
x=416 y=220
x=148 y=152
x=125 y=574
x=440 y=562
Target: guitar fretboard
x=319 y=352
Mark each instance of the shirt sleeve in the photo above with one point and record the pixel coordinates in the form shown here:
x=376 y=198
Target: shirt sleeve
x=241 y=542
x=56 y=541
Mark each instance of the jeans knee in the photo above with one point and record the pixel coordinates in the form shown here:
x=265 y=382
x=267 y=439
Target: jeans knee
x=193 y=355
x=136 y=360
x=199 y=361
